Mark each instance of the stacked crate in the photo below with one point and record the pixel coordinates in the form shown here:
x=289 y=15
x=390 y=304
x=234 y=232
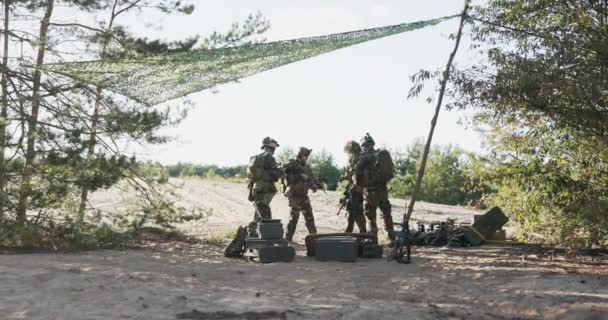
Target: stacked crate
x=269 y=245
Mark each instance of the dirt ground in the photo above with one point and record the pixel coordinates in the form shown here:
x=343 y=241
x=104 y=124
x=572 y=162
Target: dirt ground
x=171 y=280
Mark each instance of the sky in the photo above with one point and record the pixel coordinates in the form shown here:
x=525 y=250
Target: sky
x=322 y=102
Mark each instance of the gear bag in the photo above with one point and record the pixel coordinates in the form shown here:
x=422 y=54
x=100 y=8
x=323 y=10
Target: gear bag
x=254 y=167
x=384 y=167
x=236 y=247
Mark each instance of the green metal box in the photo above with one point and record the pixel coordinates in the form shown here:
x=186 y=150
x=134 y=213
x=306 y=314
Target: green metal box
x=344 y=249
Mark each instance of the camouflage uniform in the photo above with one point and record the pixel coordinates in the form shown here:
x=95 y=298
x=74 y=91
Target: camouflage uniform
x=263 y=173
x=300 y=179
x=375 y=191
x=354 y=201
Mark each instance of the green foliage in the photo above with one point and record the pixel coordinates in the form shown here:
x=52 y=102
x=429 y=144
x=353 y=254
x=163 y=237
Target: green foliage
x=155 y=172
x=322 y=163
x=61 y=140
x=450 y=178
x=68 y=235
x=542 y=90
x=206 y=171
x=325 y=169
x=285 y=154
x=553 y=183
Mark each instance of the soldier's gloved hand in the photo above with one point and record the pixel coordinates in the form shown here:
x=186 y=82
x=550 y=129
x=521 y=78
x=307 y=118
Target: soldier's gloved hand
x=304 y=176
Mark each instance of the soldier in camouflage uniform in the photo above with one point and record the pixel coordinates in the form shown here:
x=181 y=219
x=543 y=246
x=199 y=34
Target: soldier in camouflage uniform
x=374 y=189
x=300 y=179
x=264 y=172
x=353 y=196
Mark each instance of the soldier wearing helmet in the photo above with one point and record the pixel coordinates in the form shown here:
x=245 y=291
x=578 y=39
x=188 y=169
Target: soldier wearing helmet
x=300 y=179
x=353 y=196
x=374 y=187
x=263 y=172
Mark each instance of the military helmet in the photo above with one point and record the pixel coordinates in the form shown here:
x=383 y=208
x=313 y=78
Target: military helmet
x=352 y=147
x=304 y=152
x=269 y=142
x=367 y=139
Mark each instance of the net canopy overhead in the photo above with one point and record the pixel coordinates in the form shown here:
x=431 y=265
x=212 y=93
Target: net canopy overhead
x=156 y=79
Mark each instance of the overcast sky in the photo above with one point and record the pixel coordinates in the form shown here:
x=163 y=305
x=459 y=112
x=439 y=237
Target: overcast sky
x=320 y=102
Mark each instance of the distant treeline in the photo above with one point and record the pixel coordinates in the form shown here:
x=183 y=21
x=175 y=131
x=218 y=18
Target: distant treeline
x=206 y=171
x=452 y=176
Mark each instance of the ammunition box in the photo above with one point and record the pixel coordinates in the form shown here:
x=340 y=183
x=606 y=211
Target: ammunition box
x=344 y=249
x=251 y=243
x=271 y=254
x=270 y=229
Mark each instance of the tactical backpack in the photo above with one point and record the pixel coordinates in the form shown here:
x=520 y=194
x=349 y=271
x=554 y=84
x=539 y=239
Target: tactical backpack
x=236 y=247
x=253 y=167
x=384 y=167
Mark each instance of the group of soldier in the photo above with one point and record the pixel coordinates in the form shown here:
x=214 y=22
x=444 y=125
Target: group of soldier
x=366 y=191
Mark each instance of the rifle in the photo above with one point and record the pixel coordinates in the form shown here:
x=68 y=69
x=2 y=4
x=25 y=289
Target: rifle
x=342 y=205
x=403 y=244
x=345 y=197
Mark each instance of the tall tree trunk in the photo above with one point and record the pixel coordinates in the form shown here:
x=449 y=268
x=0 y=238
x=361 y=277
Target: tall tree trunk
x=30 y=153
x=90 y=153
x=84 y=194
x=4 y=111
x=427 y=146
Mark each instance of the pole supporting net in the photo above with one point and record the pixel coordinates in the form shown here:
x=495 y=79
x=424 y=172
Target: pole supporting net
x=156 y=79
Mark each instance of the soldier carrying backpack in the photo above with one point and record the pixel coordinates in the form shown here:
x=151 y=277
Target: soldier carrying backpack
x=373 y=170
x=263 y=172
x=300 y=179
x=353 y=198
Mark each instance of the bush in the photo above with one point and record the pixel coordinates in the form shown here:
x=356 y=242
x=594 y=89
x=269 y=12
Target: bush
x=451 y=175
x=556 y=192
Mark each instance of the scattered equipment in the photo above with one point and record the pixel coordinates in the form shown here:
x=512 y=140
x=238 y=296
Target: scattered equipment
x=402 y=249
x=485 y=226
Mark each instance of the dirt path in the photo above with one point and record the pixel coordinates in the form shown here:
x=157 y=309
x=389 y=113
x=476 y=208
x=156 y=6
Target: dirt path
x=183 y=281
x=229 y=207
x=169 y=283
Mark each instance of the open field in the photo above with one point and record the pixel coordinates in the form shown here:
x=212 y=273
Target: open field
x=170 y=280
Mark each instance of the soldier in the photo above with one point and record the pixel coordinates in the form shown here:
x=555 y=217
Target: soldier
x=352 y=195
x=300 y=179
x=371 y=175
x=263 y=173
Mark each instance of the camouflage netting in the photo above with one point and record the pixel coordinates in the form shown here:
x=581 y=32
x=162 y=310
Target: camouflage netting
x=156 y=79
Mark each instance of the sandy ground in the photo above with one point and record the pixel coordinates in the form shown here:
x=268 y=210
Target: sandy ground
x=169 y=280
